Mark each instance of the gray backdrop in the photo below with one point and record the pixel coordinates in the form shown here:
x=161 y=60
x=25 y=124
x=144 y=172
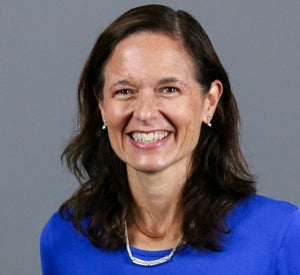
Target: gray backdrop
x=43 y=47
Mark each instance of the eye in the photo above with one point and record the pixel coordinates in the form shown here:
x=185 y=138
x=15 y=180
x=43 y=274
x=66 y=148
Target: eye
x=123 y=92
x=170 y=90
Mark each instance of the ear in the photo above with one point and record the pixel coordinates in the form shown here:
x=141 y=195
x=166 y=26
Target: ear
x=212 y=98
x=101 y=108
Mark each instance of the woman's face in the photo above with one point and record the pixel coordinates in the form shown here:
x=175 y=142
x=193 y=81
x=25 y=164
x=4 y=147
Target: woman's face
x=152 y=104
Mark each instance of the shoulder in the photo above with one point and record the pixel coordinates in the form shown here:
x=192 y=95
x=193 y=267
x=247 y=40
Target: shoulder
x=275 y=208
x=270 y=229
x=56 y=229
x=60 y=229
x=62 y=248
x=263 y=207
x=263 y=216
x=59 y=242
x=280 y=223
x=267 y=202
x=54 y=225
x=51 y=240
x=55 y=220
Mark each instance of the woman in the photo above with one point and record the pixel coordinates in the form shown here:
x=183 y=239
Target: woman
x=164 y=186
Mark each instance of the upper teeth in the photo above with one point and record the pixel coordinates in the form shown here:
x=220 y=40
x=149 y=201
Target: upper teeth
x=150 y=137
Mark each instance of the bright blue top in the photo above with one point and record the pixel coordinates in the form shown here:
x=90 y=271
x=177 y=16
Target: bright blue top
x=264 y=239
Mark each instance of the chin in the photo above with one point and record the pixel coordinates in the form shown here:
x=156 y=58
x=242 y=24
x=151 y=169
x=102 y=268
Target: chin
x=148 y=168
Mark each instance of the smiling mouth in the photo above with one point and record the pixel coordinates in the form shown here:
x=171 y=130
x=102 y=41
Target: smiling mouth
x=149 y=137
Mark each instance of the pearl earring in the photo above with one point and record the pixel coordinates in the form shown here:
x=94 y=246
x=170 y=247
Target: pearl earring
x=104 y=125
x=209 y=121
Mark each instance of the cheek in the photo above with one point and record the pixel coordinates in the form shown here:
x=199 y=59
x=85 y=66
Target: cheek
x=115 y=136
x=115 y=116
x=192 y=120
x=194 y=130
x=190 y=114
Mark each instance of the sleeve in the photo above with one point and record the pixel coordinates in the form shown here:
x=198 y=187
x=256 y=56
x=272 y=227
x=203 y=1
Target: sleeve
x=288 y=260
x=46 y=251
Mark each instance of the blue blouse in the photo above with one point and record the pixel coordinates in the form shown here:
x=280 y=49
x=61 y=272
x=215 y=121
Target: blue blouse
x=264 y=238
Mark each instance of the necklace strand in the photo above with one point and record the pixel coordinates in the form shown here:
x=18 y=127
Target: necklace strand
x=152 y=262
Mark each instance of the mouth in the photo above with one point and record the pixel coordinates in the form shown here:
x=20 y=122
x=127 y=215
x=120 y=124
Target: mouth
x=149 y=137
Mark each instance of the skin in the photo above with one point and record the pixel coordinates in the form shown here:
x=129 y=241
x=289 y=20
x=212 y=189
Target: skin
x=154 y=108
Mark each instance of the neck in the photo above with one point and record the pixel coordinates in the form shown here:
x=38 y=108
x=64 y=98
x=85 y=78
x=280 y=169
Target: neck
x=155 y=221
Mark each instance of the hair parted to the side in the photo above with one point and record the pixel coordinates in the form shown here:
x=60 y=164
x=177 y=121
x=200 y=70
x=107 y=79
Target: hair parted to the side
x=219 y=175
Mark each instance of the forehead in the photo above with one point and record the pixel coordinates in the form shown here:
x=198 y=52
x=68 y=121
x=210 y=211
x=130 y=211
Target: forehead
x=147 y=50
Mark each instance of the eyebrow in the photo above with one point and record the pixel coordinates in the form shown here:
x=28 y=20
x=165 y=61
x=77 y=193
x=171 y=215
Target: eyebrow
x=162 y=81
x=170 y=80
x=121 y=82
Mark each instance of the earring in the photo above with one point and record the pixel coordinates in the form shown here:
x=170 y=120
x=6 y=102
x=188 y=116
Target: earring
x=209 y=121
x=104 y=125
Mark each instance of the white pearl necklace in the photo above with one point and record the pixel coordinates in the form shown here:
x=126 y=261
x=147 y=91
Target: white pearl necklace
x=152 y=262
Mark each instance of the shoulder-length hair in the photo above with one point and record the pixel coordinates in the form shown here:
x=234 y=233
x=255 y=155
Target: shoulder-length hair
x=219 y=176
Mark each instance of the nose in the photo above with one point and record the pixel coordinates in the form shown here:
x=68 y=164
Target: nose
x=145 y=108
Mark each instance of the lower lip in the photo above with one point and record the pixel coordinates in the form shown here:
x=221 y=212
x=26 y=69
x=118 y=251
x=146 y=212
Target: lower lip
x=148 y=146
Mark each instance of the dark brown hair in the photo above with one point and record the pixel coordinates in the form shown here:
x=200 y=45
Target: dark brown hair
x=219 y=176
